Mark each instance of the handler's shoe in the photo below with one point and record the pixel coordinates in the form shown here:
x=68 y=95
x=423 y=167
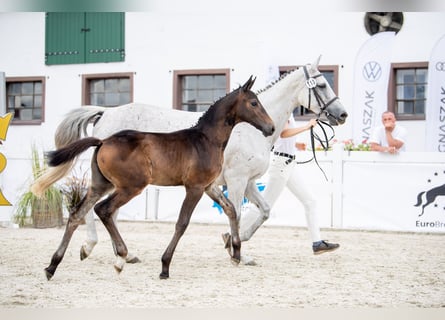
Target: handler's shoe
x=324 y=246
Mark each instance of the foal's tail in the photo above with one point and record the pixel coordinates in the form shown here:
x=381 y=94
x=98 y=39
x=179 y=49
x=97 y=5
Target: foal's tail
x=62 y=157
x=68 y=131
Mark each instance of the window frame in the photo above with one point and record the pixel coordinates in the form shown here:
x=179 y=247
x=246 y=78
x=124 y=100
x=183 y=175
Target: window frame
x=42 y=79
x=85 y=100
x=177 y=83
x=392 y=88
x=322 y=68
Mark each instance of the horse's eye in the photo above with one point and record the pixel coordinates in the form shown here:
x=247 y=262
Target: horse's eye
x=254 y=103
x=322 y=85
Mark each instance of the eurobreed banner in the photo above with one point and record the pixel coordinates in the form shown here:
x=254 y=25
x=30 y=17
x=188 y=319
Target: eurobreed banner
x=435 y=102
x=371 y=75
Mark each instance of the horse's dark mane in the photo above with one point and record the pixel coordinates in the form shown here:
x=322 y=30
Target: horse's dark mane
x=270 y=85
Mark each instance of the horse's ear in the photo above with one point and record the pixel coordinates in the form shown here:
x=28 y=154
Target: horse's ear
x=249 y=83
x=316 y=62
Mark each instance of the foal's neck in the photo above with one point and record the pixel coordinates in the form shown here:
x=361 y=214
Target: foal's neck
x=218 y=122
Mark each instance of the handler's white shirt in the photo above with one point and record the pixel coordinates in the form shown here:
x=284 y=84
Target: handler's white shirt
x=379 y=136
x=287 y=145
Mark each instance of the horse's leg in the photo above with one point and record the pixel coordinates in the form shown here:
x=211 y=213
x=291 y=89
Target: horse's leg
x=250 y=220
x=91 y=241
x=73 y=222
x=193 y=195
x=215 y=193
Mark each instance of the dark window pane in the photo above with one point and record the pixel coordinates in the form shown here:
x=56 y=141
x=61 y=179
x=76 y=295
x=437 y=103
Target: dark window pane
x=27 y=88
x=205 y=82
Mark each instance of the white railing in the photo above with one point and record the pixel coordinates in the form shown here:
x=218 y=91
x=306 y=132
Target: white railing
x=365 y=190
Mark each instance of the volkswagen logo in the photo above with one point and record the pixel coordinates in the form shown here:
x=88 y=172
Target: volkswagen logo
x=311 y=83
x=440 y=66
x=372 y=71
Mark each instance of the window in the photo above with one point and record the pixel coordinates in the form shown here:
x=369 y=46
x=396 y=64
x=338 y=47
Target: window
x=79 y=37
x=407 y=96
x=108 y=90
x=197 y=90
x=25 y=98
x=330 y=72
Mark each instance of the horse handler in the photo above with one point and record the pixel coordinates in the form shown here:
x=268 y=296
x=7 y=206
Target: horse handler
x=282 y=173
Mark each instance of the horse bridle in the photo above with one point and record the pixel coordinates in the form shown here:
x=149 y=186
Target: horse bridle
x=311 y=84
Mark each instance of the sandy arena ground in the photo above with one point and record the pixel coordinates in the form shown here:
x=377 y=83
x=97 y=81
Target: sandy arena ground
x=371 y=269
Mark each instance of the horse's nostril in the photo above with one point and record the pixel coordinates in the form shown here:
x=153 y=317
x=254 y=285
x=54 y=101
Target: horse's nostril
x=344 y=115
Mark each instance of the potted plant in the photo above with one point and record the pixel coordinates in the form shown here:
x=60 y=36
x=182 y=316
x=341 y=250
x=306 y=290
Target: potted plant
x=74 y=190
x=46 y=212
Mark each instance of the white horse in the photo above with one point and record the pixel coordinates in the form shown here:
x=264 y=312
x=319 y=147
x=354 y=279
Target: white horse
x=246 y=157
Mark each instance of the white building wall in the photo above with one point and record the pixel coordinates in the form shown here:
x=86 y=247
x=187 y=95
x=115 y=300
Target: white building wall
x=159 y=42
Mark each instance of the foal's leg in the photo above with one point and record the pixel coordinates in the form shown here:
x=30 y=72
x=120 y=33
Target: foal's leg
x=215 y=193
x=92 y=239
x=105 y=210
x=192 y=197
x=74 y=220
x=131 y=258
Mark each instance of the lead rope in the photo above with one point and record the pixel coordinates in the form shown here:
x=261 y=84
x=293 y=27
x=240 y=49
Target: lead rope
x=323 y=142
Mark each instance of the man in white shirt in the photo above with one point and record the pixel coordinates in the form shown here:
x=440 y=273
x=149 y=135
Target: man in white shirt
x=388 y=137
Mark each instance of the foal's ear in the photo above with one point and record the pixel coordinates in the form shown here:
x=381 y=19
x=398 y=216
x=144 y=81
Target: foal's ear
x=248 y=85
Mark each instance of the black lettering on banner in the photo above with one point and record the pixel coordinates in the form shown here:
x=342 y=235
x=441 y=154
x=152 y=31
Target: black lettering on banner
x=368 y=112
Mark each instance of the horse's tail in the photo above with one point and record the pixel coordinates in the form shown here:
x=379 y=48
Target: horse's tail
x=68 y=131
x=76 y=123
x=62 y=157
x=419 y=199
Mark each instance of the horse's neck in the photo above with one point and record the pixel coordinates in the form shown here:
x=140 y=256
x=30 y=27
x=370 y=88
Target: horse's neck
x=281 y=99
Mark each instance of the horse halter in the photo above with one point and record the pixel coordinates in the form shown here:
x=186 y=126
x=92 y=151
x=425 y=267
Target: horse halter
x=311 y=84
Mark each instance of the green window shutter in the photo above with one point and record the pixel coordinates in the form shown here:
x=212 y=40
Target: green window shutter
x=79 y=37
x=105 y=39
x=64 y=42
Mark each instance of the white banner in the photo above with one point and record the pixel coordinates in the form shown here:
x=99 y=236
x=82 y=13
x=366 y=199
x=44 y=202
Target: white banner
x=435 y=102
x=371 y=75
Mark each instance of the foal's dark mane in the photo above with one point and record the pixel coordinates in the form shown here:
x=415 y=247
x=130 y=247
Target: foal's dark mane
x=208 y=116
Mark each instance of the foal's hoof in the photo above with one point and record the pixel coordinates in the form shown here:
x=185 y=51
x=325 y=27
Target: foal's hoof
x=48 y=274
x=119 y=264
x=235 y=261
x=163 y=275
x=133 y=260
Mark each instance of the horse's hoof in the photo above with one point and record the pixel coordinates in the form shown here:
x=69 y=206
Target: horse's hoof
x=48 y=274
x=227 y=239
x=118 y=269
x=83 y=254
x=163 y=275
x=133 y=260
